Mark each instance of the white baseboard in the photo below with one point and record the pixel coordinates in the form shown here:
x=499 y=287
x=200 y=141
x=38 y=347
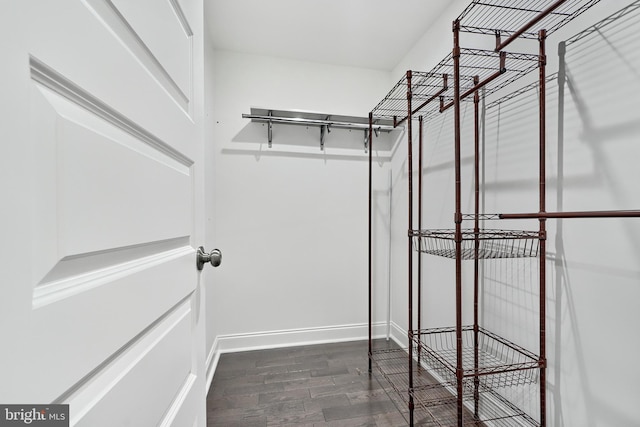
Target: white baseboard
x=234 y=343
x=399 y=335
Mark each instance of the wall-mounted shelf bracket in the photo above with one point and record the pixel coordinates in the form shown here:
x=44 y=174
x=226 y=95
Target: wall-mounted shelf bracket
x=270 y=129
x=325 y=122
x=366 y=141
x=322 y=133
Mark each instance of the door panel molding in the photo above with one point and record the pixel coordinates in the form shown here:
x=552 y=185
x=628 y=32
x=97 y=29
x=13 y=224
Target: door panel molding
x=76 y=279
x=56 y=82
x=106 y=191
x=110 y=16
x=180 y=412
x=123 y=375
x=81 y=331
x=77 y=265
x=182 y=18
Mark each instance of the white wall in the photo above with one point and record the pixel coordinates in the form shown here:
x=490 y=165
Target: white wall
x=592 y=269
x=595 y=278
x=291 y=220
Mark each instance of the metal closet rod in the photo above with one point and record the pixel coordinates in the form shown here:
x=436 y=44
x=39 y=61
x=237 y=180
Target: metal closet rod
x=576 y=214
x=317 y=122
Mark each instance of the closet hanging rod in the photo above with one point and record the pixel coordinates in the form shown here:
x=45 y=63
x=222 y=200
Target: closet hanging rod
x=326 y=122
x=316 y=122
x=576 y=214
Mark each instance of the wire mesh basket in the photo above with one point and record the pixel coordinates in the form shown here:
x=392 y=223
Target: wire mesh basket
x=438 y=403
x=484 y=244
x=434 y=383
x=393 y=366
x=493 y=363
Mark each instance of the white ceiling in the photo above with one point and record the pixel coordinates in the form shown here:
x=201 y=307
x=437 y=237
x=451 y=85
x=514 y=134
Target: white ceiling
x=362 y=33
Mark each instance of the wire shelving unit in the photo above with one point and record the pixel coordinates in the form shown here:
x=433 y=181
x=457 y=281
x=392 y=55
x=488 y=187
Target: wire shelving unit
x=456 y=374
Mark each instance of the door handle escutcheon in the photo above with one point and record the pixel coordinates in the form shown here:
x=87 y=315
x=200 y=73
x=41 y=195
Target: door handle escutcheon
x=214 y=257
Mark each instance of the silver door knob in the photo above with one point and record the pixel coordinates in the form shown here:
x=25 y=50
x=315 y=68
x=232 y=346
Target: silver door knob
x=214 y=257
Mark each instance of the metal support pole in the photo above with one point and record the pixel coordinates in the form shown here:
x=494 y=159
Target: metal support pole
x=389 y=256
x=476 y=233
x=458 y=219
x=542 y=35
x=370 y=236
x=410 y=248
x=420 y=129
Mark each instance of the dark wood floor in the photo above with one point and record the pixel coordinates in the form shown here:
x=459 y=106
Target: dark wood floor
x=317 y=385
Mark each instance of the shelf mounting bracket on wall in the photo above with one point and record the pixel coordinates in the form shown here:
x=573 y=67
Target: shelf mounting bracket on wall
x=366 y=141
x=270 y=129
x=324 y=121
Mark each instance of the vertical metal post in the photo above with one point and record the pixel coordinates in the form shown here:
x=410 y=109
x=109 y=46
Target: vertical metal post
x=410 y=252
x=370 y=233
x=420 y=128
x=458 y=218
x=389 y=256
x=476 y=233
x=542 y=35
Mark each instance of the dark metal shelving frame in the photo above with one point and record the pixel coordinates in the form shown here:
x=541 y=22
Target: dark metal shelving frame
x=432 y=92
x=467 y=361
x=519 y=18
x=443 y=399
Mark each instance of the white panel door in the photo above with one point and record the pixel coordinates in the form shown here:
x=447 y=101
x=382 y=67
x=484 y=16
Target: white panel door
x=101 y=191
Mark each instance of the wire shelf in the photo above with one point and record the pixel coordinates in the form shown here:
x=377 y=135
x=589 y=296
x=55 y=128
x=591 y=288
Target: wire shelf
x=495 y=17
x=393 y=366
x=440 y=405
x=424 y=86
x=433 y=92
x=507 y=17
x=485 y=64
x=435 y=401
x=490 y=243
x=484 y=408
x=500 y=363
